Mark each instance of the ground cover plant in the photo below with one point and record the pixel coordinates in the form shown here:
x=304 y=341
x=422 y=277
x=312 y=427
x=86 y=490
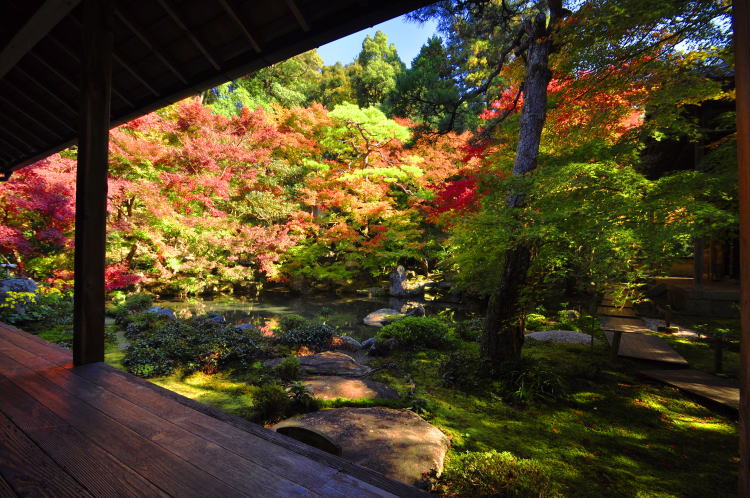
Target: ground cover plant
x=609 y=433
x=563 y=422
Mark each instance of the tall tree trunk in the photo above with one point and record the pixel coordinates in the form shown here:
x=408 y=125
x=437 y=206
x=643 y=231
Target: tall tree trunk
x=503 y=335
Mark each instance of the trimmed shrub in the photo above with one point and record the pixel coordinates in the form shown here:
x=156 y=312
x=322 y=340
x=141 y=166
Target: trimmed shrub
x=159 y=345
x=491 y=473
x=134 y=303
x=535 y=321
x=288 y=369
x=417 y=332
x=292 y=321
x=47 y=305
x=316 y=336
x=302 y=398
x=271 y=403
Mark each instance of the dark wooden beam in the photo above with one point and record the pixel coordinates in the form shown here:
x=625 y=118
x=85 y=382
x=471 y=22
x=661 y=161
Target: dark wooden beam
x=178 y=20
x=298 y=15
x=43 y=110
x=77 y=59
x=23 y=132
x=125 y=65
x=8 y=134
x=52 y=94
x=741 y=25
x=232 y=11
x=135 y=74
x=44 y=19
x=145 y=39
x=248 y=63
x=35 y=82
x=91 y=183
x=29 y=118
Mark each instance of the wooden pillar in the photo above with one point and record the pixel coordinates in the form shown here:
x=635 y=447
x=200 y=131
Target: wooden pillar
x=741 y=24
x=91 y=186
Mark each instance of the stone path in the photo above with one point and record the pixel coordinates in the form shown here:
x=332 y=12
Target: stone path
x=396 y=443
x=334 y=387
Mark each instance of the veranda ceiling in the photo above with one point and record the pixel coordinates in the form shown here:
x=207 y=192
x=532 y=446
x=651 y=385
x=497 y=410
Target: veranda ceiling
x=164 y=50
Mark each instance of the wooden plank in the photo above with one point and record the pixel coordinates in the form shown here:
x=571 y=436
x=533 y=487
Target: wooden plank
x=5 y=490
x=49 y=14
x=29 y=470
x=241 y=459
x=701 y=384
x=395 y=487
x=35 y=344
x=647 y=347
x=170 y=473
x=249 y=440
x=245 y=476
x=91 y=183
x=623 y=324
x=280 y=460
x=87 y=463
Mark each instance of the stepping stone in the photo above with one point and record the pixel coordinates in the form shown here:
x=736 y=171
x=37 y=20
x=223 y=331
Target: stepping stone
x=647 y=347
x=702 y=384
x=382 y=317
x=396 y=443
x=332 y=387
x=327 y=363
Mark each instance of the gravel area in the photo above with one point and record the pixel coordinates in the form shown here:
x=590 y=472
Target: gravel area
x=560 y=336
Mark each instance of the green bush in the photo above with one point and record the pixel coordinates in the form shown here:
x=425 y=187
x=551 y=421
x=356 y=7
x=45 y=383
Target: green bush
x=526 y=381
x=417 y=333
x=535 y=321
x=48 y=305
x=290 y=322
x=485 y=474
x=463 y=371
x=134 y=303
x=159 y=346
x=302 y=398
x=271 y=403
x=469 y=330
x=316 y=336
x=288 y=369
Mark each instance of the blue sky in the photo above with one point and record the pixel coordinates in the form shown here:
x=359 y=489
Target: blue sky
x=407 y=36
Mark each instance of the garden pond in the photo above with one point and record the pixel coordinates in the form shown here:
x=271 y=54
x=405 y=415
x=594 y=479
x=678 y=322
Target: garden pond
x=345 y=312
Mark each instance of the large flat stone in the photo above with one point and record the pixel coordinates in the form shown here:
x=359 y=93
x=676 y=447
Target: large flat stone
x=328 y=363
x=333 y=387
x=382 y=316
x=396 y=443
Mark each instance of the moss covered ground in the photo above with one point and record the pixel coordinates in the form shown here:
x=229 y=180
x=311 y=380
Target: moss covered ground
x=612 y=433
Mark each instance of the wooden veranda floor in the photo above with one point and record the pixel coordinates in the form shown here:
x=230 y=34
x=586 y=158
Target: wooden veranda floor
x=96 y=431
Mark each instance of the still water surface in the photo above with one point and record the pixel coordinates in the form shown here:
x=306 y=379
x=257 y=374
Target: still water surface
x=345 y=312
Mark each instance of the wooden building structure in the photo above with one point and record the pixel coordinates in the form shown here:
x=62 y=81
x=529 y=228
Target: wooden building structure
x=69 y=71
